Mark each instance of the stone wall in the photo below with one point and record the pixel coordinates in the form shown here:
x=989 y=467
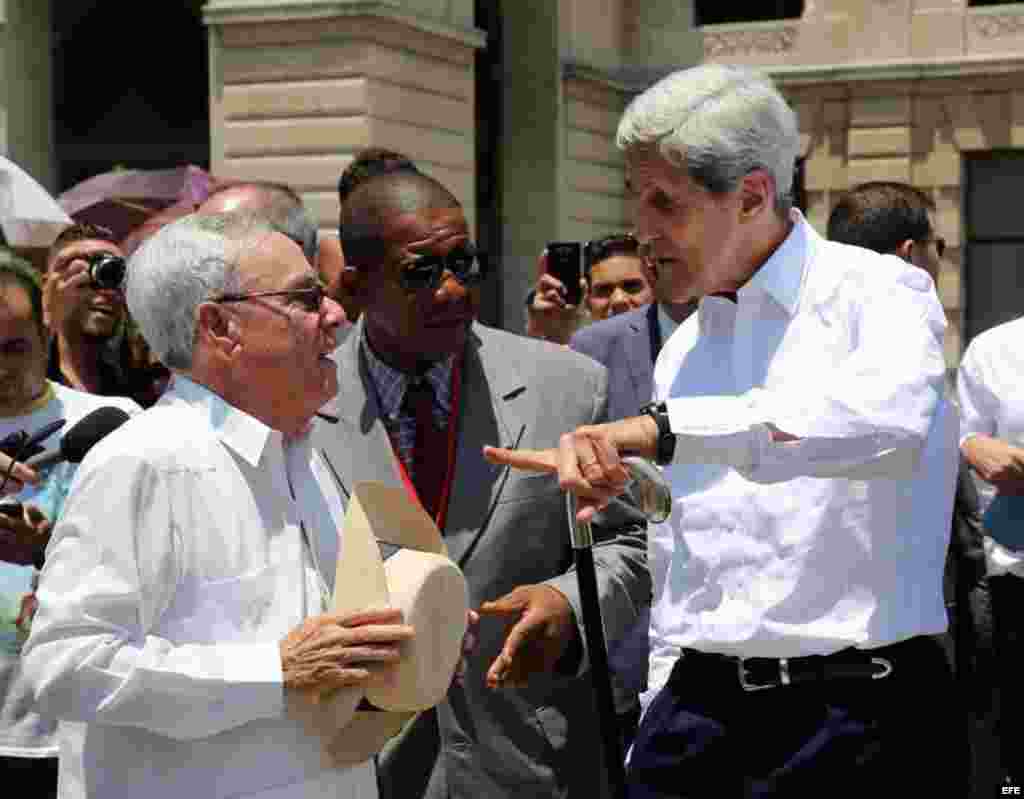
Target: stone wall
x=911 y=131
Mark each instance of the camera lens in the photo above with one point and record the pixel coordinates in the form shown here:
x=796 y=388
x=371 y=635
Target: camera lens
x=106 y=270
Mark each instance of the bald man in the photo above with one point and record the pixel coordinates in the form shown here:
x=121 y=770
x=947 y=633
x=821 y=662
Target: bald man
x=282 y=206
x=423 y=387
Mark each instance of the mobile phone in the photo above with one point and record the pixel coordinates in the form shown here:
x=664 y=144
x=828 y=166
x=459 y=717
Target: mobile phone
x=565 y=261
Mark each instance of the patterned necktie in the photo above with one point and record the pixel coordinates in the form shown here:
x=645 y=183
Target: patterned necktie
x=430 y=451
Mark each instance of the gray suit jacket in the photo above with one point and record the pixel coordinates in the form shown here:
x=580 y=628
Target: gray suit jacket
x=505 y=529
x=627 y=346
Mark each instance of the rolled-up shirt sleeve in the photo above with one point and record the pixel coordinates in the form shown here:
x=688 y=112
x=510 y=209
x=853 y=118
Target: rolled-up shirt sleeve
x=867 y=417
x=111 y=572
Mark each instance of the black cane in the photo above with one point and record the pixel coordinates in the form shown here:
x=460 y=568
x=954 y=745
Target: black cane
x=651 y=494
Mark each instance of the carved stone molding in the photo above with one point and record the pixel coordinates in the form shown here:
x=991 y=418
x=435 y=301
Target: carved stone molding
x=749 y=41
x=995 y=26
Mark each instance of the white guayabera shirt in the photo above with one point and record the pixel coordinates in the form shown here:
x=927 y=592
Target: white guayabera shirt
x=836 y=540
x=178 y=566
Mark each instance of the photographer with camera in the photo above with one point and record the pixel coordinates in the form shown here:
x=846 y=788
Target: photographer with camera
x=93 y=348
x=35 y=414
x=614 y=280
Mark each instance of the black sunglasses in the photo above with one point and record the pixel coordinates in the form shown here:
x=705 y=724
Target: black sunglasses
x=426 y=271
x=311 y=299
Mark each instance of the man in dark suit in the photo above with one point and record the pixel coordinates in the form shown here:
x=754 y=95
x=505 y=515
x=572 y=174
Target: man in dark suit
x=422 y=388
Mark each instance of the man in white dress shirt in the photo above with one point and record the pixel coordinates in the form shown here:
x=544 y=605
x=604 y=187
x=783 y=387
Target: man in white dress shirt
x=992 y=441
x=803 y=410
x=181 y=607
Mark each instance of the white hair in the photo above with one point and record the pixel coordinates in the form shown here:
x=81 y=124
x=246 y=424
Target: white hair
x=718 y=123
x=180 y=266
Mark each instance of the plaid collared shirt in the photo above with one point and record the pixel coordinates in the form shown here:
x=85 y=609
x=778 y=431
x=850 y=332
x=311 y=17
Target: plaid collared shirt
x=391 y=384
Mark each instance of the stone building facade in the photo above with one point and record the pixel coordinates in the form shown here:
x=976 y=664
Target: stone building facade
x=514 y=105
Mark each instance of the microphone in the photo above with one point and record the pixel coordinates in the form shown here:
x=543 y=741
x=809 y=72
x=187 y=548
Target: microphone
x=82 y=436
x=21 y=443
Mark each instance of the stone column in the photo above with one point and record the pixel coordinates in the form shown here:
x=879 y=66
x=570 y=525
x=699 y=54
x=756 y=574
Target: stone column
x=26 y=91
x=297 y=86
x=530 y=146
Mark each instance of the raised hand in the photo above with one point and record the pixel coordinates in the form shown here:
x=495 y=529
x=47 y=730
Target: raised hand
x=20 y=475
x=544 y=629
x=24 y=534
x=587 y=460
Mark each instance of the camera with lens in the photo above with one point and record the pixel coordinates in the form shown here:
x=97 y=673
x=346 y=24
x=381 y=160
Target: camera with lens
x=106 y=270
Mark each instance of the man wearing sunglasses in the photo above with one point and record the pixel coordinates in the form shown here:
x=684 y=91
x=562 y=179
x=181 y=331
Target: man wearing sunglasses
x=890 y=218
x=897 y=219
x=422 y=387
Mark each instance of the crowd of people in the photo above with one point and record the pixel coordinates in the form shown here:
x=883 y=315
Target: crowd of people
x=829 y=604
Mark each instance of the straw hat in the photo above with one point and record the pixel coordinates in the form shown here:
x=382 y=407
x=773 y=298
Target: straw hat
x=392 y=554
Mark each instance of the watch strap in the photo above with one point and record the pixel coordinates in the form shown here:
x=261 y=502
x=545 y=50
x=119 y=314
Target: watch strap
x=666 y=445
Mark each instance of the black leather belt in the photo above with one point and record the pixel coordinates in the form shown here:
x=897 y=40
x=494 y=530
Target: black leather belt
x=758 y=674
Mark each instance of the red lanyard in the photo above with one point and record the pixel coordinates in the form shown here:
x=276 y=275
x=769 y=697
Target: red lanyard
x=449 y=475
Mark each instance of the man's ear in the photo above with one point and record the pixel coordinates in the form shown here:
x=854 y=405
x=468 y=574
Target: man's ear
x=905 y=250
x=217 y=328
x=757 y=192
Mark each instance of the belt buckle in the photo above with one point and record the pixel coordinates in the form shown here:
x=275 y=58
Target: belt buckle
x=886 y=668
x=749 y=686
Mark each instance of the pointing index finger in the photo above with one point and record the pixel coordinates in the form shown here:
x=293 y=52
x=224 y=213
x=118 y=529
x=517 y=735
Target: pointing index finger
x=530 y=460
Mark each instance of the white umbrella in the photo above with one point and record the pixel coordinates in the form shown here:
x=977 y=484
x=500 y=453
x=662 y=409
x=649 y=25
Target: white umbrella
x=29 y=216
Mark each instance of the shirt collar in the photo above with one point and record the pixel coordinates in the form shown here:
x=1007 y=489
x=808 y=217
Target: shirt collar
x=666 y=324
x=781 y=276
x=391 y=383
x=244 y=434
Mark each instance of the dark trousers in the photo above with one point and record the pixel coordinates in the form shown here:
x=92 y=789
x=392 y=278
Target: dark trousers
x=1008 y=643
x=30 y=777
x=969 y=604
x=703 y=735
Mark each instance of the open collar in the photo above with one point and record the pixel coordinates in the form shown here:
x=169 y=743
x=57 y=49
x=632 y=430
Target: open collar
x=244 y=434
x=781 y=276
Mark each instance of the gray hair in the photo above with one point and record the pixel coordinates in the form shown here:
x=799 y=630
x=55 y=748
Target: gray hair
x=182 y=265
x=718 y=123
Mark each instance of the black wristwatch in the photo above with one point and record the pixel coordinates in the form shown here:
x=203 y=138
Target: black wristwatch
x=666 y=438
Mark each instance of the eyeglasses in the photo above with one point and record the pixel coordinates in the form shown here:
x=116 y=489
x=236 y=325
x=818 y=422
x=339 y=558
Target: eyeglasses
x=311 y=298
x=426 y=271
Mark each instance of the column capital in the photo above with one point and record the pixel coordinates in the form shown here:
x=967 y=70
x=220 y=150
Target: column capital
x=234 y=12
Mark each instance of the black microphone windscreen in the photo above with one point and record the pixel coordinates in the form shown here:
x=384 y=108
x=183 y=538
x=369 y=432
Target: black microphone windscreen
x=89 y=430
x=44 y=432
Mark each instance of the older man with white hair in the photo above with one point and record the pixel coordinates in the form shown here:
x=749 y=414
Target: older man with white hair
x=795 y=582
x=181 y=608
